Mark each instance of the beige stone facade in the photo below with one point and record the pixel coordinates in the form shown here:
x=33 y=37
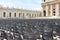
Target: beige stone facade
x=6 y=13
x=51 y=8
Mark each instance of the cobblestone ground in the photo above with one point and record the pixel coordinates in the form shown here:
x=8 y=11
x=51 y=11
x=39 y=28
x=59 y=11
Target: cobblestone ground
x=39 y=29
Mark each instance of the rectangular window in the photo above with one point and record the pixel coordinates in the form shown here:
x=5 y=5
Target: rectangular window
x=4 y=14
x=23 y=14
x=14 y=14
x=19 y=14
x=9 y=14
x=53 y=13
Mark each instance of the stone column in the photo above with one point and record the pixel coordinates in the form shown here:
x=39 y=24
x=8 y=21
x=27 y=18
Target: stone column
x=42 y=12
x=57 y=9
x=43 y=8
x=47 y=10
x=51 y=10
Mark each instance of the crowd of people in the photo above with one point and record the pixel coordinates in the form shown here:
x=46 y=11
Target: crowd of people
x=19 y=29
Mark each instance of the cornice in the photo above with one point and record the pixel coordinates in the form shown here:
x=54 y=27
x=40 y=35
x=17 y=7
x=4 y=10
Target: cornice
x=50 y=3
x=18 y=9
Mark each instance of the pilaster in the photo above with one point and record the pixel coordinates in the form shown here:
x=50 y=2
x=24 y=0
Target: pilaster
x=51 y=10
x=47 y=10
x=57 y=9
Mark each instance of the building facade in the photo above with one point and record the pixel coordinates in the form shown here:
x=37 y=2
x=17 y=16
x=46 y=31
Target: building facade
x=6 y=13
x=51 y=8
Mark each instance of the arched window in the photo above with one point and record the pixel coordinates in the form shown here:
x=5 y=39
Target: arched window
x=44 y=13
x=10 y=14
x=19 y=14
x=4 y=14
x=14 y=14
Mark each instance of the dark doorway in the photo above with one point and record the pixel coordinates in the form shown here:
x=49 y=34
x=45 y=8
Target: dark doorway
x=44 y=13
